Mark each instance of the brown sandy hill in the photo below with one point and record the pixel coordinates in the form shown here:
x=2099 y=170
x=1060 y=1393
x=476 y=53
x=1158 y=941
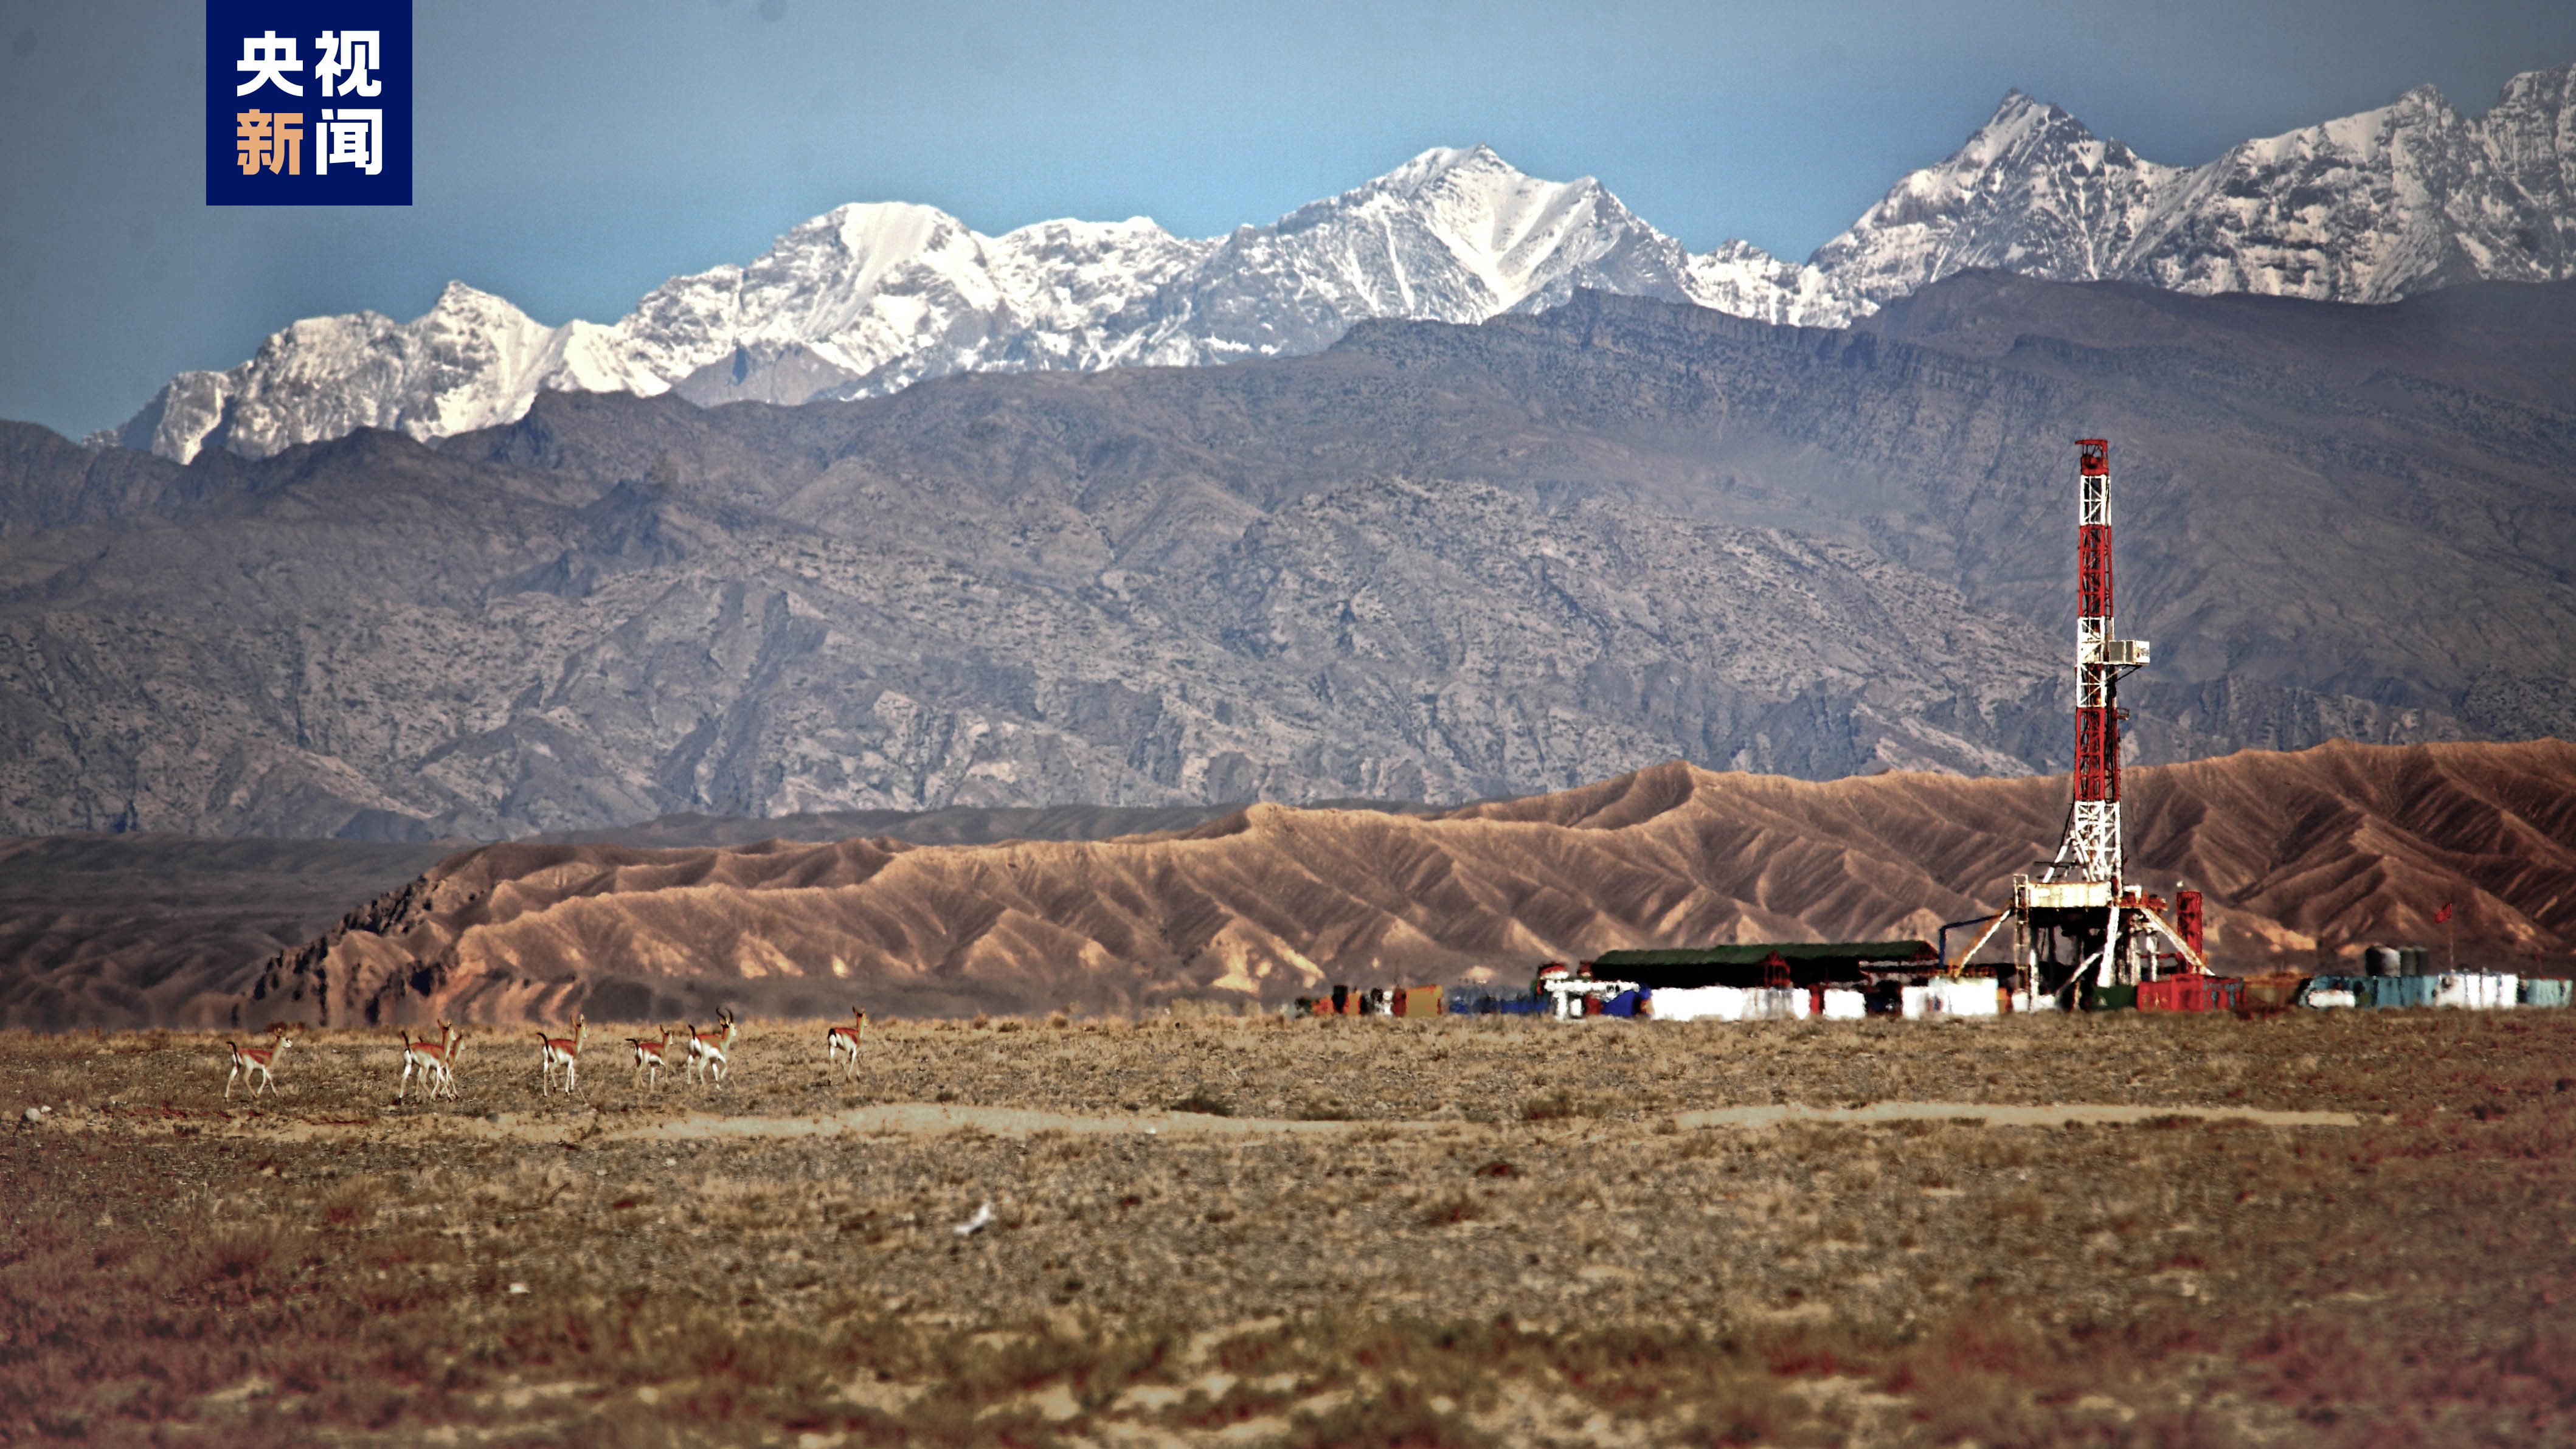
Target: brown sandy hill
x=2301 y=854
x=143 y=930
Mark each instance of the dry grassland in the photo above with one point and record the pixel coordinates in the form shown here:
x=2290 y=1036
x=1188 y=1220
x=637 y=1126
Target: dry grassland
x=1480 y=1232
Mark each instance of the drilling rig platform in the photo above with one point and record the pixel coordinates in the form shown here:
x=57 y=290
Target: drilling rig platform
x=2082 y=934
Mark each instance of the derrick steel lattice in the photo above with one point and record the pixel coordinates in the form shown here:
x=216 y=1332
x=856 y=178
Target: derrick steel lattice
x=2082 y=900
x=2093 y=846
x=2081 y=922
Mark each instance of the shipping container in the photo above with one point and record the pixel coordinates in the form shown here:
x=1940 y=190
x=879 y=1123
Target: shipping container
x=1952 y=996
x=2542 y=991
x=1844 y=1003
x=1729 y=1003
x=1964 y=996
x=2396 y=993
x=2188 y=993
x=2477 y=990
x=1700 y=1003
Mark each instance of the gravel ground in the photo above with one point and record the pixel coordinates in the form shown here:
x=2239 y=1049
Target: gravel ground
x=1432 y=1232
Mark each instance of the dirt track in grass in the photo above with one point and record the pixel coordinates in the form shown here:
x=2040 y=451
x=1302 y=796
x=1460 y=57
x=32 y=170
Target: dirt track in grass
x=1442 y=1232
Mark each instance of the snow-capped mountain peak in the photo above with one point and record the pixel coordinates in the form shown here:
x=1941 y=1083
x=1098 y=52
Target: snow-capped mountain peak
x=470 y=356
x=2032 y=190
x=1458 y=234
x=2364 y=208
x=1429 y=167
x=872 y=297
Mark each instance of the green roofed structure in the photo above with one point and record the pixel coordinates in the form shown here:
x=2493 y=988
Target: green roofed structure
x=1779 y=963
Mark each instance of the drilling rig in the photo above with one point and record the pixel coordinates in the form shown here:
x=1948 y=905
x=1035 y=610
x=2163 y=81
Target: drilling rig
x=2077 y=921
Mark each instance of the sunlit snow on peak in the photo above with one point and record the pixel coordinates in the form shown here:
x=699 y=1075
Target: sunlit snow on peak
x=869 y=298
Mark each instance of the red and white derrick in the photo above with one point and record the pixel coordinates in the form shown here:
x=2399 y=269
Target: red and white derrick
x=2081 y=898
x=2093 y=831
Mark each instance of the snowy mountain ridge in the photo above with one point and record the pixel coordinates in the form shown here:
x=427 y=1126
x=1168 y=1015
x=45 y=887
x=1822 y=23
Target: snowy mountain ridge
x=868 y=299
x=2367 y=208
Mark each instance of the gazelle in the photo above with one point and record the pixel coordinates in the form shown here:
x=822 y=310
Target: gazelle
x=564 y=1052
x=707 y=1048
x=435 y=1061
x=840 y=1039
x=650 y=1054
x=247 y=1060
x=455 y=1062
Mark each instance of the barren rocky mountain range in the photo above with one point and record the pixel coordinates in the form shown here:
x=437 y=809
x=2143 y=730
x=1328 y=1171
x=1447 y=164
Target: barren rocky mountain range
x=1435 y=563
x=2304 y=857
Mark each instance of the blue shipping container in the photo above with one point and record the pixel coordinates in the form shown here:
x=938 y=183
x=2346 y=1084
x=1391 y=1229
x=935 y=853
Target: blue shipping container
x=2399 y=992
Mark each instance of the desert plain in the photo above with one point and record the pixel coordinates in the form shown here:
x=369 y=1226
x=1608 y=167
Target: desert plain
x=2315 y=1228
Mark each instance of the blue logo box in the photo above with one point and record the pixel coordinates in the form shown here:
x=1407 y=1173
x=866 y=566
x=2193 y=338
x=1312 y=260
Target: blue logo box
x=308 y=104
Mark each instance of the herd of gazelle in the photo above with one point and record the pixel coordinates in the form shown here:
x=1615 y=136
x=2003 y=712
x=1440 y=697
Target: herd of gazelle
x=707 y=1055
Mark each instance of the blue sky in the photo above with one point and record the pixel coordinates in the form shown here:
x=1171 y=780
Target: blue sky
x=571 y=155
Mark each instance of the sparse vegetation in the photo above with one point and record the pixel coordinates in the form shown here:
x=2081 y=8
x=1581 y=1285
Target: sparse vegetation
x=1556 y=1106
x=1205 y=1102
x=324 y=1264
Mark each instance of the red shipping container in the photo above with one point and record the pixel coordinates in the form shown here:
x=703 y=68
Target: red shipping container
x=1417 y=1001
x=2187 y=993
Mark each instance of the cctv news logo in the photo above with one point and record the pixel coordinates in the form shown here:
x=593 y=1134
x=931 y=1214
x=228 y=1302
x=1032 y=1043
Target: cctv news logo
x=308 y=104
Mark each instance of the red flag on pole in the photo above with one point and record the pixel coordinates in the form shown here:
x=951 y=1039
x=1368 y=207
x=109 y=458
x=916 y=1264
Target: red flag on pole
x=2442 y=915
